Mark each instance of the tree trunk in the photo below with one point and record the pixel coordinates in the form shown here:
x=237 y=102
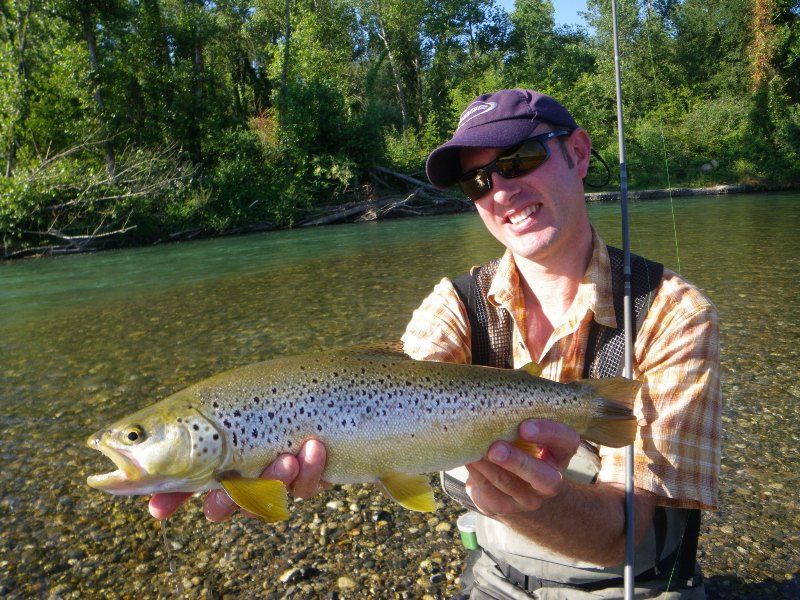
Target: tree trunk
x=155 y=27
x=198 y=67
x=285 y=66
x=91 y=43
x=395 y=73
x=762 y=48
x=20 y=34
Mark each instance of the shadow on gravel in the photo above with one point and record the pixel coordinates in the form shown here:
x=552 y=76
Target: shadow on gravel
x=724 y=587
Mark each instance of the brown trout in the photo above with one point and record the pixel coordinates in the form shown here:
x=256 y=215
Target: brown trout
x=382 y=417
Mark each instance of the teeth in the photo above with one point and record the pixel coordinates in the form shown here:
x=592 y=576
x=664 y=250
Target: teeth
x=520 y=216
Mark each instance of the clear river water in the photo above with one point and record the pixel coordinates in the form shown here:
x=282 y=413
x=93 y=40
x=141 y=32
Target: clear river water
x=85 y=339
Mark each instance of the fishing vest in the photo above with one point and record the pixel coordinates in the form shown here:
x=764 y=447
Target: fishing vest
x=507 y=565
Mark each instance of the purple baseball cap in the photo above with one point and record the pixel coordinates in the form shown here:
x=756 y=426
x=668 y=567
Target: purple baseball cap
x=497 y=120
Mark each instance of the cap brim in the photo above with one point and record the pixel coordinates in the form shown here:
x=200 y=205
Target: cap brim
x=443 y=166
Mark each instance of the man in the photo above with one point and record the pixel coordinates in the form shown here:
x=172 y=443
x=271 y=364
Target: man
x=522 y=158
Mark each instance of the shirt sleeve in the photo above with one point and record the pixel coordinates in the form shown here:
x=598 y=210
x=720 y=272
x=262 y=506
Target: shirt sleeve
x=677 y=449
x=439 y=328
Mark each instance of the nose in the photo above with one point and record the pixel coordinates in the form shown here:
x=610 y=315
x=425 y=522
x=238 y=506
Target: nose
x=503 y=190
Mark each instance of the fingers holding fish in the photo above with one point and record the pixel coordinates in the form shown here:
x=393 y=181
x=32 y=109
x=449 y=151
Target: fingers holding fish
x=510 y=480
x=557 y=442
x=496 y=491
x=163 y=506
x=311 y=462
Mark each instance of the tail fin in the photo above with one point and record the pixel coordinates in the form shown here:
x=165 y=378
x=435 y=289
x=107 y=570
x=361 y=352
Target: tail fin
x=612 y=422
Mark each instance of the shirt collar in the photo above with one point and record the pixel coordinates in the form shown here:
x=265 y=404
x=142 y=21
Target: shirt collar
x=594 y=292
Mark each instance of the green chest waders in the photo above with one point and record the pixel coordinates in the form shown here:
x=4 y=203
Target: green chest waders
x=506 y=565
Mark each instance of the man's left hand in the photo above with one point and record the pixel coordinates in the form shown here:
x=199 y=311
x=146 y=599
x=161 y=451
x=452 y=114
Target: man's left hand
x=509 y=480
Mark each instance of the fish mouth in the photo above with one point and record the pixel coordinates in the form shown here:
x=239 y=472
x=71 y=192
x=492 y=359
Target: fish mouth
x=128 y=472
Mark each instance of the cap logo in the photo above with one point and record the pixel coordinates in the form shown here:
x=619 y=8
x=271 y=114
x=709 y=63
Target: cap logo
x=475 y=111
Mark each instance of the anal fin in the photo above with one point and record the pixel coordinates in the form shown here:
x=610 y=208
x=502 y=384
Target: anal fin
x=265 y=498
x=413 y=492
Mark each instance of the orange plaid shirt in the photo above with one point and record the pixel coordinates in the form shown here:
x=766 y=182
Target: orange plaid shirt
x=676 y=356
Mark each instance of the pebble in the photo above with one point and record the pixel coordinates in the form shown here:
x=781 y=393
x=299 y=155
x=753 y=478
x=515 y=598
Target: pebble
x=345 y=583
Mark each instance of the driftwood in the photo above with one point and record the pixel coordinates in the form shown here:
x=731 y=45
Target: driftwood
x=420 y=198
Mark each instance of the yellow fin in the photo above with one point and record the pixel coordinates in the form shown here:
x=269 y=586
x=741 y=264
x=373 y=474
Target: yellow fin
x=413 y=492
x=612 y=422
x=529 y=447
x=533 y=368
x=265 y=498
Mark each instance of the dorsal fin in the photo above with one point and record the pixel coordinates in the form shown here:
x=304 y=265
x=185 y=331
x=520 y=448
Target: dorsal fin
x=533 y=368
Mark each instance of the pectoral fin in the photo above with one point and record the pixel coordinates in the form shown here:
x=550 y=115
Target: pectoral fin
x=265 y=498
x=410 y=491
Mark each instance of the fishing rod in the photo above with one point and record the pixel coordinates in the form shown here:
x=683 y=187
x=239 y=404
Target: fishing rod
x=627 y=311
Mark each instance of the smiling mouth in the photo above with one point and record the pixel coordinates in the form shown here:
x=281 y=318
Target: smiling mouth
x=524 y=213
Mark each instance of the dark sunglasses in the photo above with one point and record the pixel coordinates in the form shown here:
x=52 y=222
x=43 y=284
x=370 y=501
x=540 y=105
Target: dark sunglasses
x=514 y=162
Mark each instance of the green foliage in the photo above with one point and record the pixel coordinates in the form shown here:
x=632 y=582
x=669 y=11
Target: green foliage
x=93 y=92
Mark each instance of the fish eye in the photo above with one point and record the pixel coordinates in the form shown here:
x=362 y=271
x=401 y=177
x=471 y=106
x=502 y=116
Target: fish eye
x=134 y=435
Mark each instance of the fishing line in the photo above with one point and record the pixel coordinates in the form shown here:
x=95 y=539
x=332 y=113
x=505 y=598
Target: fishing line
x=661 y=131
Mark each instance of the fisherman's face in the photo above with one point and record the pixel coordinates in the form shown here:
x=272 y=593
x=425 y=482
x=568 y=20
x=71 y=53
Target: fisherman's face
x=542 y=213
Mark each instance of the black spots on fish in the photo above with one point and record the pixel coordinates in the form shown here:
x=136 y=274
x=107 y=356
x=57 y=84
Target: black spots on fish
x=369 y=409
x=261 y=419
x=271 y=415
x=237 y=413
x=344 y=422
x=336 y=373
x=330 y=403
x=206 y=428
x=255 y=433
x=180 y=420
x=227 y=423
x=200 y=439
x=319 y=427
x=274 y=390
x=216 y=437
x=363 y=371
x=215 y=404
x=427 y=379
x=196 y=427
x=444 y=427
x=289 y=443
x=235 y=440
x=301 y=410
x=314 y=381
x=205 y=450
x=256 y=400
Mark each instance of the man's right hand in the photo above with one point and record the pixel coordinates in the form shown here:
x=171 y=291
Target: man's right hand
x=302 y=474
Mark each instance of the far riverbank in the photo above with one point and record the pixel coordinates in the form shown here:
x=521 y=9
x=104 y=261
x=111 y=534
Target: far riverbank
x=423 y=201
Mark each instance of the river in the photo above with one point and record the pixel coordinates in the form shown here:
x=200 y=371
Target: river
x=87 y=338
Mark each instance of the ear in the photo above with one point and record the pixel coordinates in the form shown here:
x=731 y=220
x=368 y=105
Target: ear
x=580 y=147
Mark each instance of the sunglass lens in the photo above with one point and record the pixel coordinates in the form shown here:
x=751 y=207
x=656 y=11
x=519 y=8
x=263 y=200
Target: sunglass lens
x=526 y=159
x=476 y=185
